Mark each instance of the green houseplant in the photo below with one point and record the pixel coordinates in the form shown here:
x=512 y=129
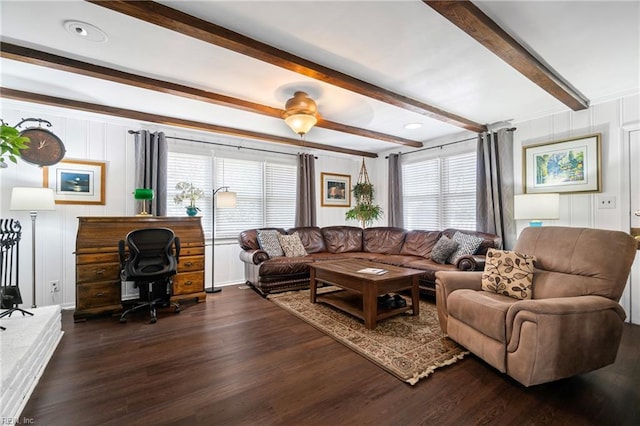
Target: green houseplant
x=364 y=210
x=190 y=193
x=10 y=143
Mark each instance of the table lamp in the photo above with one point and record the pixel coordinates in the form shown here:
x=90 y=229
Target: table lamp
x=536 y=207
x=32 y=200
x=143 y=194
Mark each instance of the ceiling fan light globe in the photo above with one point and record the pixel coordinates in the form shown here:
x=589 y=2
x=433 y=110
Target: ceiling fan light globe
x=301 y=123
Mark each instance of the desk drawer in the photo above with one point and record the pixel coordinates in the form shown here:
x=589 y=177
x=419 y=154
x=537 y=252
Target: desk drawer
x=97 y=272
x=97 y=294
x=186 y=283
x=191 y=263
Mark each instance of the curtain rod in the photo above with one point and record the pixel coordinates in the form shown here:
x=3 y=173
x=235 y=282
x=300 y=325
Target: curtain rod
x=445 y=144
x=222 y=144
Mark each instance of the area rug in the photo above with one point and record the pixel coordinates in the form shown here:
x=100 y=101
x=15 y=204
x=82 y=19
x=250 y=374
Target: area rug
x=409 y=347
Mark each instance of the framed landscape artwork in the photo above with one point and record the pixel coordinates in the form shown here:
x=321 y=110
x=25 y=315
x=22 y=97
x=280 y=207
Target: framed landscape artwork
x=76 y=181
x=336 y=190
x=571 y=165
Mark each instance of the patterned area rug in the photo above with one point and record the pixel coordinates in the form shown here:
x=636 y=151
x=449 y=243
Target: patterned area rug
x=408 y=347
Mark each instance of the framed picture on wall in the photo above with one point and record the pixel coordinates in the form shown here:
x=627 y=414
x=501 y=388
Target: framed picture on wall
x=76 y=181
x=336 y=190
x=570 y=165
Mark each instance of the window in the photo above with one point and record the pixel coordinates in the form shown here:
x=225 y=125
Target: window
x=266 y=191
x=440 y=192
x=266 y=195
x=195 y=169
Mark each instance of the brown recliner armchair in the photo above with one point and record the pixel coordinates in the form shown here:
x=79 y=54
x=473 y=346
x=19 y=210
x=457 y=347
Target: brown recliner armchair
x=571 y=325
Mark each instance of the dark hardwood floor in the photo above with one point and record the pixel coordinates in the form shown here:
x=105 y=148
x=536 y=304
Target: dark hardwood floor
x=238 y=359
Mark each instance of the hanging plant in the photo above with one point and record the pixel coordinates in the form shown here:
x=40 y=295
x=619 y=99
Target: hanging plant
x=10 y=143
x=364 y=210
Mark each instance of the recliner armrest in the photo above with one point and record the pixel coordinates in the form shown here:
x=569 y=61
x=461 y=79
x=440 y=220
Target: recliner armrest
x=254 y=256
x=449 y=281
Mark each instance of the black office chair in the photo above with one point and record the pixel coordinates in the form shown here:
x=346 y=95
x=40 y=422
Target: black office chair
x=153 y=259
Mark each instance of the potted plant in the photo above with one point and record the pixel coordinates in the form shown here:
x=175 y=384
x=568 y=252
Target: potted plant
x=10 y=143
x=364 y=210
x=190 y=193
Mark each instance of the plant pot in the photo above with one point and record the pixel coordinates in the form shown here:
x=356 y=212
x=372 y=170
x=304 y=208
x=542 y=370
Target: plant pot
x=192 y=211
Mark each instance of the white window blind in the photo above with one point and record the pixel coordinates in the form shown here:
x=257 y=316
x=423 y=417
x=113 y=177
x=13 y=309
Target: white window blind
x=195 y=169
x=440 y=193
x=266 y=195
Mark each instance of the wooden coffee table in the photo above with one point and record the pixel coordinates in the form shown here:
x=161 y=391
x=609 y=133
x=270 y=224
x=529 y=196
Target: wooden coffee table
x=362 y=290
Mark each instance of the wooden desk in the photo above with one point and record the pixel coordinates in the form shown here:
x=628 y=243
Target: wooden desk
x=98 y=286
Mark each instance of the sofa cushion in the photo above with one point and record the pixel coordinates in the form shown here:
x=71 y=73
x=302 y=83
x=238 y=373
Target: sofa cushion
x=483 y=311
x=311 y=237
x=291 y=245
x=467 y=244
x=342 y=239
x=443 y=249
x=268 y=240
x=508 y=273
x=386 y=240
x=420 y=243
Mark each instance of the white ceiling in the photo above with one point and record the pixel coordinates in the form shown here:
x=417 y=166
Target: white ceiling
x=402 y=46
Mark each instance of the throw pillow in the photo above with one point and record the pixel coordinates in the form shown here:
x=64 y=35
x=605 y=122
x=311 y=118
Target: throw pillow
x=508 y=273
x=292 y=245
x=268 y=240
x=467 y=244
x=443 y=249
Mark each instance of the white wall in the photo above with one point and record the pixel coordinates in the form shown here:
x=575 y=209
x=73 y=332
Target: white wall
x=103 y=138
x=611 y=120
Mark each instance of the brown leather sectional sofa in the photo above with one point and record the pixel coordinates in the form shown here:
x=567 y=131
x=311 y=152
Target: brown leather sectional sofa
x=394 y=246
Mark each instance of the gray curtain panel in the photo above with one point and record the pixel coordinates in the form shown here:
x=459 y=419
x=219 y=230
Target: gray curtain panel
x=151 y=168
x=396 y=214
x=494 y=193
x=306 y=191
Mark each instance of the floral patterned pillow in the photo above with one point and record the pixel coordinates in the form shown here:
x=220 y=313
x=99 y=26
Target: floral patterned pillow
x=508 y=273
x=292 y=245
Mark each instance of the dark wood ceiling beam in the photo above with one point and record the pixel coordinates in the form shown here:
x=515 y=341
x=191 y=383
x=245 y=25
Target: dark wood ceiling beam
x=171 y=121
x=470 y=19
x=37 y=57
x=183 y=23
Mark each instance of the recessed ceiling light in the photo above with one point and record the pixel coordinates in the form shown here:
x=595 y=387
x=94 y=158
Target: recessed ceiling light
x=412 y=126
x=86 y=31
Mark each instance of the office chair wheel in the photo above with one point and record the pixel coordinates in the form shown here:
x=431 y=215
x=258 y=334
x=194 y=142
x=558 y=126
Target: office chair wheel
x=153 y=320
x=123 y=320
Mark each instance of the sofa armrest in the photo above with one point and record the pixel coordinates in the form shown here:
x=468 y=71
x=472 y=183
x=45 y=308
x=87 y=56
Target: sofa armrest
x=254 y=256
x=449 y=281
x=471 y=262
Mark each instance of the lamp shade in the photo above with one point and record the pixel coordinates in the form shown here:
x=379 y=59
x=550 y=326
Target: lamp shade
x=536 y=206
x=143 y=194
x=32 y=199
x=226 y=200
x=301 y=123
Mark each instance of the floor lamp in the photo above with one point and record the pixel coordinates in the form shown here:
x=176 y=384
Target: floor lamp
x=32 y=200
x=226 y=200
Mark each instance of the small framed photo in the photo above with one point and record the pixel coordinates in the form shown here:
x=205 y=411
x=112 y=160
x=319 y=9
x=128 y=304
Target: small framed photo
x=76 y=181
x=336 y=190
x=570 y=165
